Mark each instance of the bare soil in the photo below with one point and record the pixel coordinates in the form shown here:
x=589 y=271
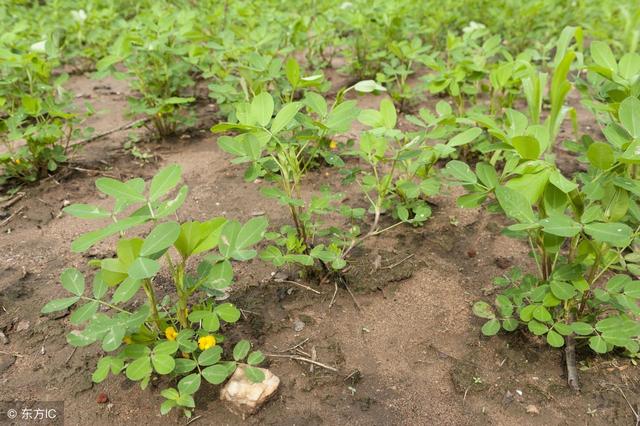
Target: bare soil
x=413 y=355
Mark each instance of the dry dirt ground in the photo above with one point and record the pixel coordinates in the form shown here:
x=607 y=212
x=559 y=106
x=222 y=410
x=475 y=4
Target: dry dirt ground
x=413 y=355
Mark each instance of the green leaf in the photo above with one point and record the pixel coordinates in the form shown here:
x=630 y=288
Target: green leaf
x=139 y=369
x=262 y=108
x=255 y=375
x=102 y=370
x=388 y=113
x=491 y=327
x=170 y=393
x=87 y=240
x=184 y=366
x=527 y=146
x=581 y=328
x=168 y=347
x=537 y=328
x=255 y=358
x=598 y=344
x=600 y=155
x=368 y=86
x=461 y=172
x=465 y=137
x=487 y=175
x=292 y=71
x=189 y=384
x=73 y=281
x=629 y=113
x=284 y=117
x=59 y=304
x=616 y=234
x=227 y=312
x=562 y=290
x=87 y=211
x=143 y=268
x=119 y=190
x=602 y=55
x=186 y=401
x=510 y=324
x=515 y=205
x=100 y=287
x=210 y=356
x=241 y=349
x=562 y=183
x=160 y=238
x=554 y=339
x=163 y=364
x=251 y=232
x=164 y=181
x=84 y=312
x=216 y=374
x=562 y=226
x=483 y=310
x=126 y=290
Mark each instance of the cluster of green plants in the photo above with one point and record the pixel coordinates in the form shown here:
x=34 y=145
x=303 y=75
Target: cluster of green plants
x=500 y=117
x=178 y=334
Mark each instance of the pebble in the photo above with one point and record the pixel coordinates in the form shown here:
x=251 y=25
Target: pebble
x=102 y=398
x=245 y=397
x=298 y=326
x=532 y=409
x=23 y=326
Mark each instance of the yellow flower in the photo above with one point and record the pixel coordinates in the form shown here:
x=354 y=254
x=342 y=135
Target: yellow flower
x=171 y=333
x=127 y=340
x=17 y=161
x=333 y=145
x=206 y=342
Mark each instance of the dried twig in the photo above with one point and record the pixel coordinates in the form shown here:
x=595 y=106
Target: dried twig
x=306 y=287
x=108 y=132
x=193 y=419
x=635 y=413
x=10 y=218
x=13 y=200
x=333 y=299
x=295 y=346
x=570 y=360
x=12 y=354
x=398 y=263
x=352 y=296
x=314 y=356
x=71 y=355
x=299 y=358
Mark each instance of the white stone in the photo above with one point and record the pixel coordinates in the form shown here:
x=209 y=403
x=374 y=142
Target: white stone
x=244 y=397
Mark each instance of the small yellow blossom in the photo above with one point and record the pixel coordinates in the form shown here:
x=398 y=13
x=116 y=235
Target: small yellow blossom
x=171 y=333
x=206 y=342
x=333 y=145
x=17 y=161
x=127 y=340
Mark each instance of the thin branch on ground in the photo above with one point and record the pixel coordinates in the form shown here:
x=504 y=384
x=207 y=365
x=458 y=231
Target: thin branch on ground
x=10 y=218
x=108 y=132
x=295 y=346
x=398 y=263
x=303 y=359
x=306 y=287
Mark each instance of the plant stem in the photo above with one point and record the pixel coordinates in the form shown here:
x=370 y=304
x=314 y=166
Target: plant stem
x=148 y=289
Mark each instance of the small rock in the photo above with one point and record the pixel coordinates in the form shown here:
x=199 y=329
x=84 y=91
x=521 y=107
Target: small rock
x=244 y=397
x=503 y=262
x=102 y=398
x=298 y=326
x=23 y=326
x=6 y=361
x=508 y=398
x=532 y=409
x=471 y=253
x=65 y=203
x=3 y=338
